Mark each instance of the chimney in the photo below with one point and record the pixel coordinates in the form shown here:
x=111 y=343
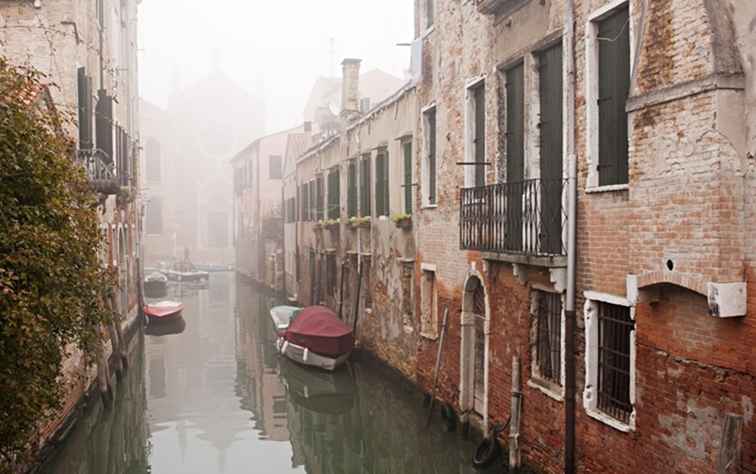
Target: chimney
x=350 y=86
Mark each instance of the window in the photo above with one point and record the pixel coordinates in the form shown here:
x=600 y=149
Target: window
x=305 y=202
x=291 y=210
x=274 y=164
x=430 y=12
x=217 y=231
x=429 y=182
x=407 y=151
x=382 y=183
x=153 y=158
x=475 y=139
x=428 y=321
x=334 y=194
x=546 y=334
x=154 y=218
x=608 y=53
x=319 y=198
x=610 y=360
x=614 y=330
x=365 y=198
x=352 y=189
x=84 y=83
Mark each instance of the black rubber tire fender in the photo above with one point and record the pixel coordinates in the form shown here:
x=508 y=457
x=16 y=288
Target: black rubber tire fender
x=486 y=453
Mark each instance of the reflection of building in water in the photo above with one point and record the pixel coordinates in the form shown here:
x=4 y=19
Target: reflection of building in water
x=199 y=367
x=261 y=388
x=102 y=431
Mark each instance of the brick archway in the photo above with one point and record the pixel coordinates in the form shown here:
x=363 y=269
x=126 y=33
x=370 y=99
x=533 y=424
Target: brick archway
x=475 y=348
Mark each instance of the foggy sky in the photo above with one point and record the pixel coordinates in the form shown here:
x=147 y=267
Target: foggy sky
x=275 y=49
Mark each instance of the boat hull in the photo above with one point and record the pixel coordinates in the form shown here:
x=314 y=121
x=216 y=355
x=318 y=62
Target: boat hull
x=304 y=356
x=155 y=288
x=187 y=276
x=163 y=312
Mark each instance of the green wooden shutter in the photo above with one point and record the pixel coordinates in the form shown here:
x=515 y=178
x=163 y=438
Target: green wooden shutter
x=614 y=86
x=480 y=134
x=407 y=147
x=432 y=156
x=352 y=189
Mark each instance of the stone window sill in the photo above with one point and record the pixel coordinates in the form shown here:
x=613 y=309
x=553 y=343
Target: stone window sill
x=430 y=337
x=608 y=420
x=607 y=189
x=549 y=389
x=429 y=206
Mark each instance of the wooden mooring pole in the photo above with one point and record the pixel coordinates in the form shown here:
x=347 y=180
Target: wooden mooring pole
x=437 y=368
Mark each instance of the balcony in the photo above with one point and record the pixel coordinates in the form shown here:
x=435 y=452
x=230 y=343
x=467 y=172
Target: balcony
x=100 y=171
x=519 y=222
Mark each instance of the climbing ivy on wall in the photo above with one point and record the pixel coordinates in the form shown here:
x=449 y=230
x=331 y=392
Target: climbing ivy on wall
x=52 y=286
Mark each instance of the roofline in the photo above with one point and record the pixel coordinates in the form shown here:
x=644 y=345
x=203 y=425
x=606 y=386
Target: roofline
x=257 y=141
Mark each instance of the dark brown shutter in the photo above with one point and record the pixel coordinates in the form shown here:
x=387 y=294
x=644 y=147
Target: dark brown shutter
x=480 y=134
x=84 y=84
x=104 y=121
x=550 y=85
x=515 y=156
x=614 y=86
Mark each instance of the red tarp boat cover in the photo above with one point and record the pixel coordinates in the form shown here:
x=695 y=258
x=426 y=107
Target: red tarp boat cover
x=319 y=329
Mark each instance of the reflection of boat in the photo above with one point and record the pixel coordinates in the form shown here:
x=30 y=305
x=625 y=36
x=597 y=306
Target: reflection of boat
x=163 y=311
x=156 y=285
x=317 y=337
x=318 y=391
x=167 y=328
x=282 y=316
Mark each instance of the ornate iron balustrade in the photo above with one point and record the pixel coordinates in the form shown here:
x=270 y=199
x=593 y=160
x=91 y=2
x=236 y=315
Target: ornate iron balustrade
x=524 y=217
x=100 y=171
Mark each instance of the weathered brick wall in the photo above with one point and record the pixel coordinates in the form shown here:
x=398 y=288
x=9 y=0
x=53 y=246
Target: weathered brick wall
x=688 y=200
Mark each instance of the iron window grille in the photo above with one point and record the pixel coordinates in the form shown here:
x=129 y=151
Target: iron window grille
x=549 y=336
x=614 y=338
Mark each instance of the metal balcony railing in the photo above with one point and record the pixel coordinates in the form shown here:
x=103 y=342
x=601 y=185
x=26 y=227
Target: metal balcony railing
x=100 y=171
x=525 y=217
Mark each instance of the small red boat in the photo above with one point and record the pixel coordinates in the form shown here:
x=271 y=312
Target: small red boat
x=163 y=311
x=317 y=337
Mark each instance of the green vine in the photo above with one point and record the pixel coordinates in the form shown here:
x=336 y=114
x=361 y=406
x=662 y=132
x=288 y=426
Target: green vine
x=52 y=286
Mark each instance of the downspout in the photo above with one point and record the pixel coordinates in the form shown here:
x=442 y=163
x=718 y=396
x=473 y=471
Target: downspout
x=570 y=314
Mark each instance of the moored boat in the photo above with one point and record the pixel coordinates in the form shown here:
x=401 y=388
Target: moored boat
x=156 y=285
x=281 y=317
x=318 y=338
x=163 y=311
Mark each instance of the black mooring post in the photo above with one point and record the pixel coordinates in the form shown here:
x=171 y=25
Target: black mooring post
x=341 y=290
x=357 y=301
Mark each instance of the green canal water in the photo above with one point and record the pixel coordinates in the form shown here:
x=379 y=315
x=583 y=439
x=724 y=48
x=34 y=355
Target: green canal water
x=210 y=395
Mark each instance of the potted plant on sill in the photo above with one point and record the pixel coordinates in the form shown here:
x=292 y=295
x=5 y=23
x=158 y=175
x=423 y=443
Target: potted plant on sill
x=332 y=224
x=402 y=221
x=360 y=222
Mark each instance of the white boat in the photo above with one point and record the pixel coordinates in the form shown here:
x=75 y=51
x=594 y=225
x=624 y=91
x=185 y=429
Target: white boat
x=305 y=356
x=312 y=336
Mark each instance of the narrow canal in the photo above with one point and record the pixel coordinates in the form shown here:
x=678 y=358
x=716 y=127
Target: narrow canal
x=210 y=395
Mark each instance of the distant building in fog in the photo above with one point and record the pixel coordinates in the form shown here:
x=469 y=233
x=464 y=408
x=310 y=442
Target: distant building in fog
x=191 y=202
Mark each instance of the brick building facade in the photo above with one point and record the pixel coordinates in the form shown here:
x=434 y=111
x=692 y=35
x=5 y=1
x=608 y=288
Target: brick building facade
x=645 y=109
x=87 y=51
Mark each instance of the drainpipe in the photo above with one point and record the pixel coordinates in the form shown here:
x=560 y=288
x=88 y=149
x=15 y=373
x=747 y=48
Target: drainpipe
x=570 y=315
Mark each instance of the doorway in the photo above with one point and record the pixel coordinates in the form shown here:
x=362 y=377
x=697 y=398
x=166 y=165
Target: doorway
x=475 y=343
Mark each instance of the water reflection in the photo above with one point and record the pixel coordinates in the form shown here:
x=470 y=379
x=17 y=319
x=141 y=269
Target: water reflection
x=220 y=400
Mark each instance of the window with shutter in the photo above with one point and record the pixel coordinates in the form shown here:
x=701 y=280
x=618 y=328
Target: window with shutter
x=104 y=123
x=430 y=161
x=407 y=149
x=381 y=183
x=334 y=194
x=274 y=167
x=479 y=140
x=84 y=84
x=319 y=197
x=352 y=189
x=365 y=196
x=614 y=86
